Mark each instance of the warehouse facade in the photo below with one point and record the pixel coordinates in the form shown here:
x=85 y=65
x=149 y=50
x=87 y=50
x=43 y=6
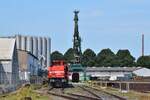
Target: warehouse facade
x=9 y=69
x=28 y=65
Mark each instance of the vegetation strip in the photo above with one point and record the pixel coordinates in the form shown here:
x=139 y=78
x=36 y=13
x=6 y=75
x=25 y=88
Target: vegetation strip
x=25 y=92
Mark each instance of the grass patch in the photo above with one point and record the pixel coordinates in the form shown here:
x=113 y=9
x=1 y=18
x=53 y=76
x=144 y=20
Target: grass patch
x=26 y=91
x=36 y=86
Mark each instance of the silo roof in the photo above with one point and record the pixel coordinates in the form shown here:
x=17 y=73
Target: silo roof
x=6 y=48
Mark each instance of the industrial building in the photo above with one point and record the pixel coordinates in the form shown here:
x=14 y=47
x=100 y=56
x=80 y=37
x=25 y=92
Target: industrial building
x=40 y=47
x=9 y=69
x=22 y=56
x=111 y=73
x=29 y=65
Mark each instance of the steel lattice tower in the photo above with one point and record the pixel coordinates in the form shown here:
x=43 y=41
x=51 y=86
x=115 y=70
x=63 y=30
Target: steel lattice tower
x=76 y=39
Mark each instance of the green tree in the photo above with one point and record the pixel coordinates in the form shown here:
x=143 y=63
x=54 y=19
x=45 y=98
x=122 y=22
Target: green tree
x=56 y=55
x=69 y=55
x=124 y=58
x=105 y=58
x=144 y=61
x=88 y=58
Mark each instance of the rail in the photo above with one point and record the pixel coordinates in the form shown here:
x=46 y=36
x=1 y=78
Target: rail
x=93 y=87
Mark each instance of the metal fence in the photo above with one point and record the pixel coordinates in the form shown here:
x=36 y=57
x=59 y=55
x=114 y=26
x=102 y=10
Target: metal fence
x=8 y=82
x=36 y=80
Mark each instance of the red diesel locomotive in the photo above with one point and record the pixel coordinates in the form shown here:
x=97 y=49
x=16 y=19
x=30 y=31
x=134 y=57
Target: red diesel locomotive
x=58 y=74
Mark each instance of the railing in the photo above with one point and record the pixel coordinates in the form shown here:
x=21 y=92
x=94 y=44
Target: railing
x=123 y=85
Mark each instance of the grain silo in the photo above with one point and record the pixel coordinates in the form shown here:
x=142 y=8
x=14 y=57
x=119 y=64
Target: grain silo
x=23 y=42
x=35 y=45
x=29 y=38
x=18 y=41
x=48 y=51
x=38 y=46
x=32 y=45
x=44 y=46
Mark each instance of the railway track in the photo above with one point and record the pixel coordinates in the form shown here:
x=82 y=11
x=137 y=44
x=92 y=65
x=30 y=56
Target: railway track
x=79 y=92
x=71 y=96
x=62 y=96
x=104 y=95
x=81 y=97
x=87 y=90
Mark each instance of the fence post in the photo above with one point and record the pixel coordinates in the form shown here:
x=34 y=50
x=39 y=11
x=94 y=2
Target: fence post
x=106 y=84
x=128 y=86
x=120 y=86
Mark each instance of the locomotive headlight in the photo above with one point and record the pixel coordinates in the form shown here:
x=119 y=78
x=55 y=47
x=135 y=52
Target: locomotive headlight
x=50 y=72
x=52 y=80
x=63 y=80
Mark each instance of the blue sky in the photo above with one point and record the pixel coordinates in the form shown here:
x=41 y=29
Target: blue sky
x=114 y=24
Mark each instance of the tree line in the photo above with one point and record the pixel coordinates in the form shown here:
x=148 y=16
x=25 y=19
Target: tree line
x=105 y=58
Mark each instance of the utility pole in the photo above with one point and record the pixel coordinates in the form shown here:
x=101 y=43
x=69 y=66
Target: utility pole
x=142 y=44
x=76 y=39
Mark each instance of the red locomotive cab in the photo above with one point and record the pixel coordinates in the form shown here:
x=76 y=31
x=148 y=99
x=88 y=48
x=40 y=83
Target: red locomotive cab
x=58 y=73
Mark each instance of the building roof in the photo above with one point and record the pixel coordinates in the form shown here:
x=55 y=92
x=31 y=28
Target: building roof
x=24 y=51
x=6 y=48
x=76 y=68
x=145 y=72
x=112 y=69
